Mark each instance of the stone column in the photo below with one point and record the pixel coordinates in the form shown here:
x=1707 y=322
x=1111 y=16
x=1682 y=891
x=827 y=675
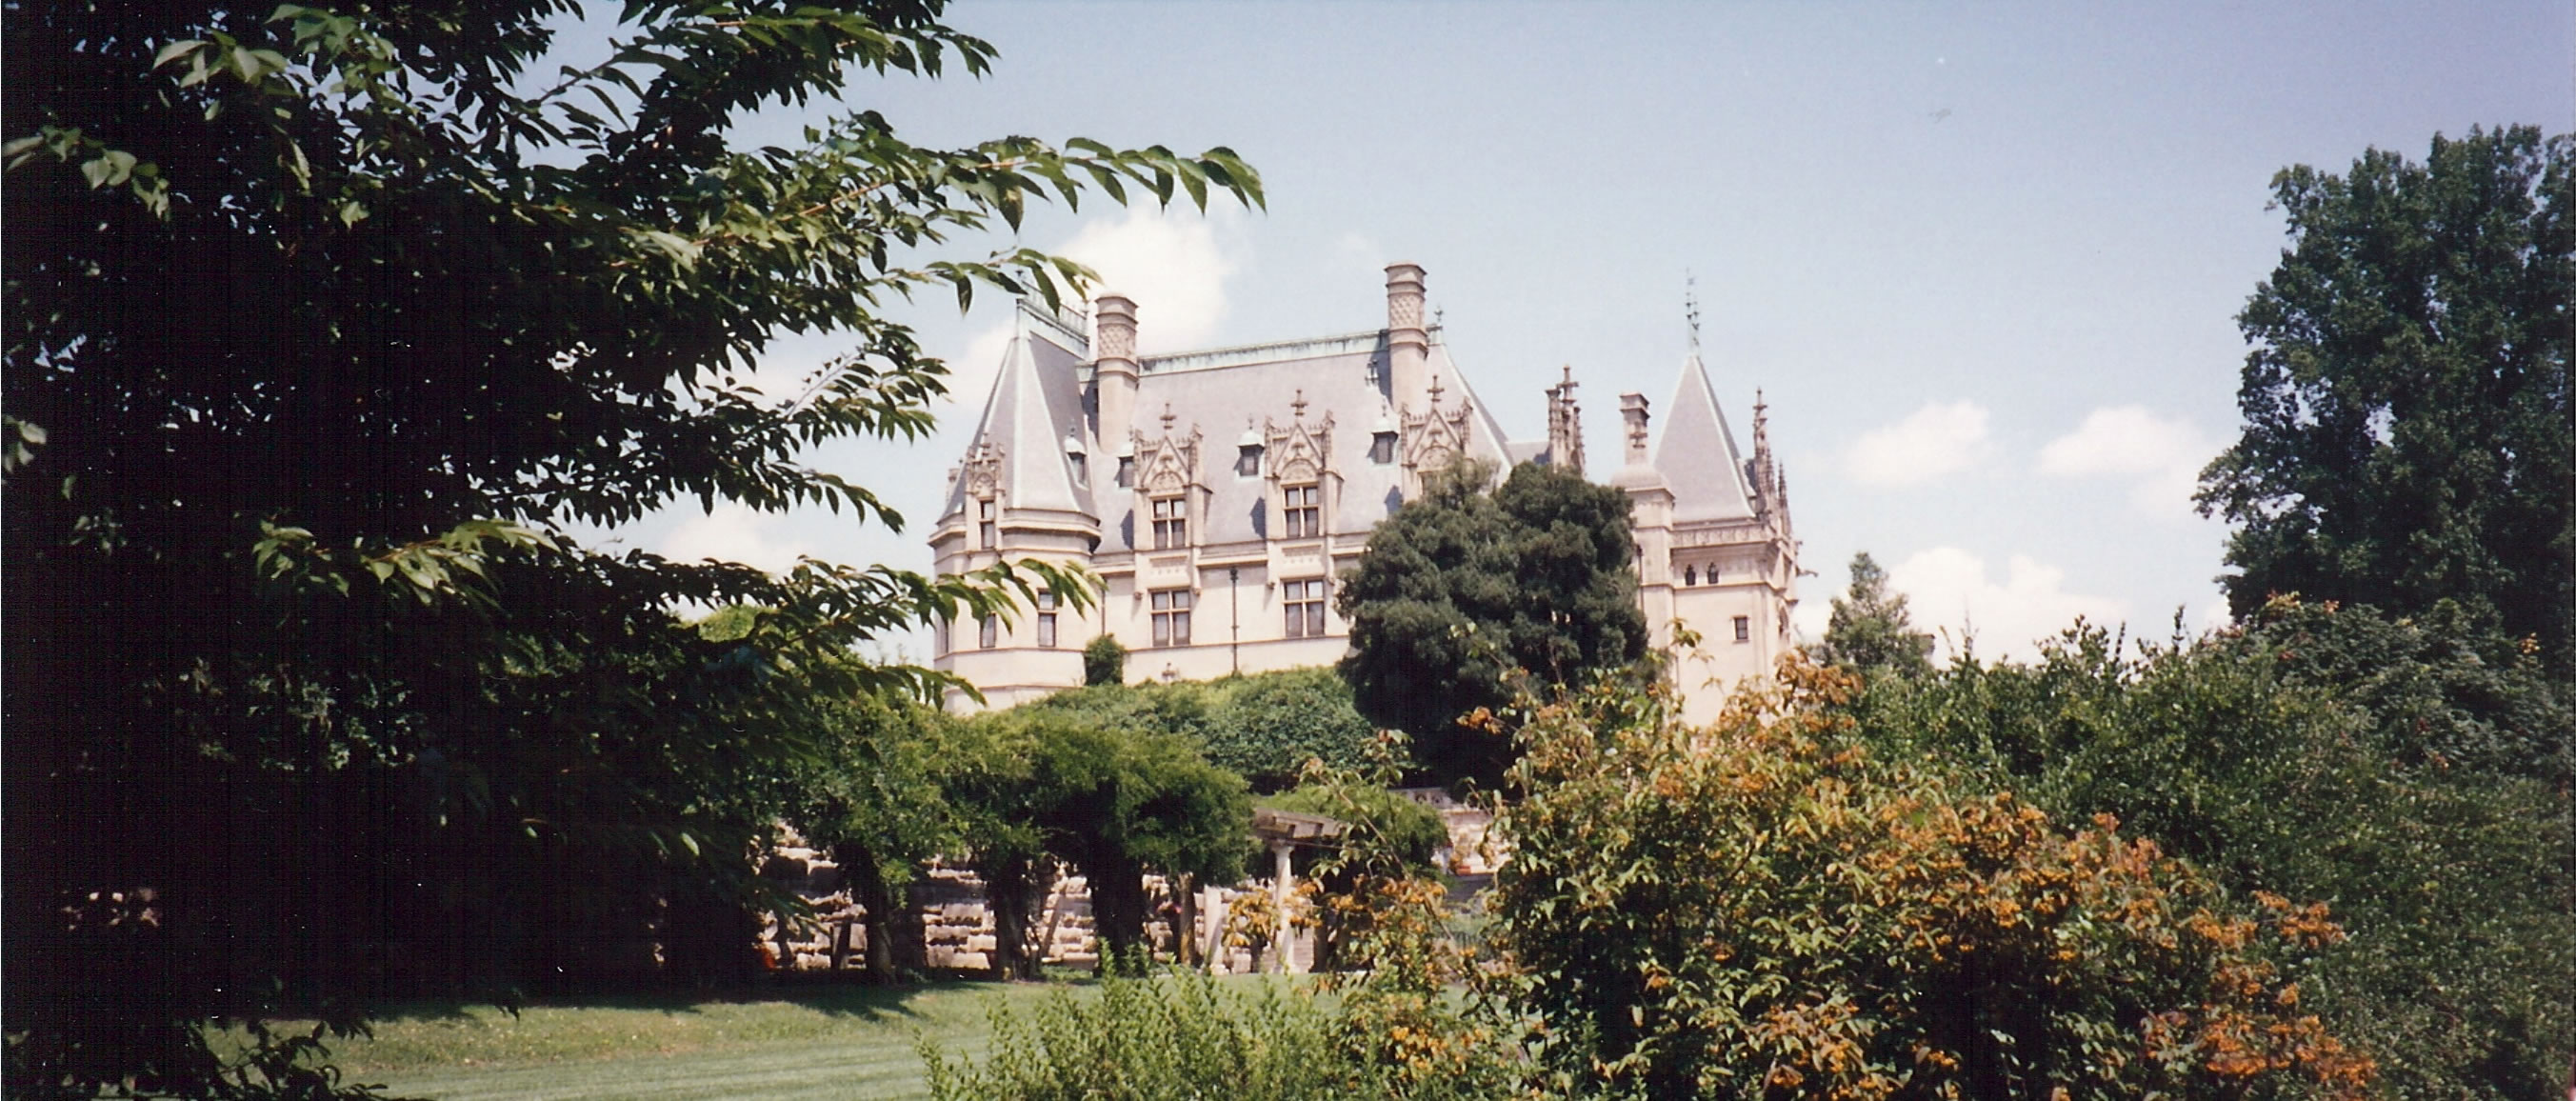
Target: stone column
x=1283 y=881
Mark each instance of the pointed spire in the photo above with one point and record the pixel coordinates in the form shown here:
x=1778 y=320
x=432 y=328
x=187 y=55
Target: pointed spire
x=1690 y=305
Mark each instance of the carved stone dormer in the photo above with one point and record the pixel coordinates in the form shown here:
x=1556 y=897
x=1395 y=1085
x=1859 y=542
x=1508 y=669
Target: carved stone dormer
x=1167 y=470
x=1299 y=452
x=1433 y=440
x=983 y=470
x=1301 y=462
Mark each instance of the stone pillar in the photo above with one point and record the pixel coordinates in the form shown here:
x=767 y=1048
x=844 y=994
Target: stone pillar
x=1283 y=881
x=1212 y=928
x=1114 y=352
x=1408 y=344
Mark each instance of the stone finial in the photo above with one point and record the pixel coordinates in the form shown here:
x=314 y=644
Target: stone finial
x=1564 y=425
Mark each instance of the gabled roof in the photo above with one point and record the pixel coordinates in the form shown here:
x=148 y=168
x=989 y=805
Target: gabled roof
x=1696 y=452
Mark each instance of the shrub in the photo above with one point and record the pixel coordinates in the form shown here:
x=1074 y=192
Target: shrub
x=1765 y=907
x=1175 y=1036
x=1104 y=661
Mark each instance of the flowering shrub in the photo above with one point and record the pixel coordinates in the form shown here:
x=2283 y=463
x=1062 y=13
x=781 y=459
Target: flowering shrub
x=1765 y=906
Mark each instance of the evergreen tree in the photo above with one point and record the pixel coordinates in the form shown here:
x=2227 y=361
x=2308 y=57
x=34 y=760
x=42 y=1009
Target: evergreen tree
x=1870 y=629
x=1466 y=597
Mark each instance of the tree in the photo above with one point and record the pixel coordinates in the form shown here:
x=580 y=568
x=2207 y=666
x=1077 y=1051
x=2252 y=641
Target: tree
x=1766 y=907
x=323 y=328
x=1104 y=661
x=871 y=797
x=1270 y=726
x=1870 y=630
x=2407 y=423
x=1115 y=801
x=1464 y=593
x=2324 y=753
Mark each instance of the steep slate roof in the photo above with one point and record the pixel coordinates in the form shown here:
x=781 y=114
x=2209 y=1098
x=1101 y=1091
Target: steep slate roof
x=1220 y=391
x=1696 y=453
x=1036 y=402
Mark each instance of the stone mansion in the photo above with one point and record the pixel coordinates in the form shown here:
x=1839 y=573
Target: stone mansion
x=1218 y=494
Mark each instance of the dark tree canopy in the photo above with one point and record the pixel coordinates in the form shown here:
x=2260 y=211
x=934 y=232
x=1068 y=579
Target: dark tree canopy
x=1463 y=592
x=323 y=326
x=2407 y=435
x=1871 y=630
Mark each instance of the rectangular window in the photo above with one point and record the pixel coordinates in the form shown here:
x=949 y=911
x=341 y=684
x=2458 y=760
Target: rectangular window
x=1305 y=603
x=1248 y=464
x=1172 y=617
x=1305 y=511
x=1171 y=523
x=1126 y=471
x=1046 y=620
x=984 y=525
x=988 y=634
x=1382 y=448
x=1743 y=628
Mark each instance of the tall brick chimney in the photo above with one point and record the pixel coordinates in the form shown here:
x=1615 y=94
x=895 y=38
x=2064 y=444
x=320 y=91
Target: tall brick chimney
x=1408 y=345
x=1114 y=353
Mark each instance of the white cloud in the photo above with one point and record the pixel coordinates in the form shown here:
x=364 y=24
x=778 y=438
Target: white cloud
x=1946 y=587
x=1939 y=439
x=970 y=376
x=735 y=533
x=2161 y=456
x=1170 y=262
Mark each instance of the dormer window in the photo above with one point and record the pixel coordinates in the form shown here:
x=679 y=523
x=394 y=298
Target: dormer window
x=1247 y=463
x=1302 y=508
x=1126 y=471
x=984 y=531
x=1171 y=523
x=1382 y=448
x=1077 y=461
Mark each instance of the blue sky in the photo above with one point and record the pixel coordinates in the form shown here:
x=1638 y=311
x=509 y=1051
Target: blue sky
x=1982 y=259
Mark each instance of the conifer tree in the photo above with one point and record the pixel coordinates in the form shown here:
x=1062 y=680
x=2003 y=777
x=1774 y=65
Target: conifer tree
x=1871 y=630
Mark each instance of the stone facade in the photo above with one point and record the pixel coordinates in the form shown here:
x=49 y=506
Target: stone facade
x=1219 y=548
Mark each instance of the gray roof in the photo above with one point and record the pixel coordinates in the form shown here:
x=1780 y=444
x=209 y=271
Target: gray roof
x=1219 y=392
x=1696 y=453
x=1035 y=404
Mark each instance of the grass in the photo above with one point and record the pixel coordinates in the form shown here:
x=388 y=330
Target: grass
x=776 y=1043
x=808 y=1042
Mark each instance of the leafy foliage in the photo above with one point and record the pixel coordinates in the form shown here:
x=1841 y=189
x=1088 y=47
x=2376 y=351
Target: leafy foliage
x=1871 y=630
x=2407 y=424
x=1765 y=906
x=1267 y=727
x=1113 y=800
x=323 y=325
x=2300 y=757
x=871 y=796
x=1172 y=1036
x=1463 y=594
x=1271 y=726
x=1104 y=661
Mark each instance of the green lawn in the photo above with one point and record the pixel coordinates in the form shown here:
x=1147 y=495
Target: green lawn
x=809 y=1042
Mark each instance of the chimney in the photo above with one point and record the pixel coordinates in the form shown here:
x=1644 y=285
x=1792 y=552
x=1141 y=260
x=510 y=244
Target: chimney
x=1114 y=353
x=1632 y=410
x=1408 y=347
